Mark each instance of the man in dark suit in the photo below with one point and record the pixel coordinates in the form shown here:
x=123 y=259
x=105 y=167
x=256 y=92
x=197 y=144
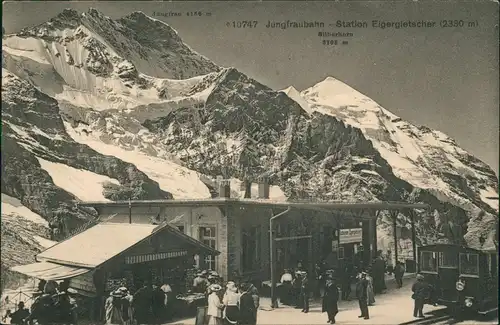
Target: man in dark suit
x=362 y=295
x=248 y=311
x=304 y=292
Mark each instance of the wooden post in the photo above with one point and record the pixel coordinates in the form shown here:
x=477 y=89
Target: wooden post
x=129 y=211
x=394 y=216
x=413 y=236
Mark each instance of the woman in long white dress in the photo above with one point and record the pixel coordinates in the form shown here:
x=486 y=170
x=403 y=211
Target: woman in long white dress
x=214 y=311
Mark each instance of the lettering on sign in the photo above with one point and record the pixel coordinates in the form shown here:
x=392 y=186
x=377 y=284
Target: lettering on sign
x=352 y=235
x=153 y=257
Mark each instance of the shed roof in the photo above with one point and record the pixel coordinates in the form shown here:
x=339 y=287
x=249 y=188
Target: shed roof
x=104 y=241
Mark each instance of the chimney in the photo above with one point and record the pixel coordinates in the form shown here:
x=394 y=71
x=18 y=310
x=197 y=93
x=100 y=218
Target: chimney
x=263 y=188
x=248 y=189
x=224 y=188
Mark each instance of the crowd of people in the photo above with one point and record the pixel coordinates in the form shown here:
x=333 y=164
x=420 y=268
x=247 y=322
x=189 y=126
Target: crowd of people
x=334 y=284
x=232 y=302
x=53 y=303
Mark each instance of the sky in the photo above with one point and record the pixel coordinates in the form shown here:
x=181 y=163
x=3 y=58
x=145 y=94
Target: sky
x=445 y=78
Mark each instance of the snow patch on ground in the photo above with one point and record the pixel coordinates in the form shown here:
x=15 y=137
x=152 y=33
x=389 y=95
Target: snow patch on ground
x=85 y=185
x=182 y=182
x=12 y=207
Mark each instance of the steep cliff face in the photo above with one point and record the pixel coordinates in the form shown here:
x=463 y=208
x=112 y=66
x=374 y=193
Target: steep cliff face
x=102 y=109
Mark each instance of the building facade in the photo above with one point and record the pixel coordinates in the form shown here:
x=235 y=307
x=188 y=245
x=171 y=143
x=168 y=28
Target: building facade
x=240 y=232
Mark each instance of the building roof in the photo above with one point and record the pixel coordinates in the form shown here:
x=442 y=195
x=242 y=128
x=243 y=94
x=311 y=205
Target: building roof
x=50 y=271
x=104 y=241
x=304 y=205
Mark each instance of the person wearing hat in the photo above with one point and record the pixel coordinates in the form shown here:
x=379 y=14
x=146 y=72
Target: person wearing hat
x=420 y=291
x=19 y=315
x=214 y=310
x=305 y=290
x=362 y=295
x=330 y=299
x=200 y=283
x=248 y=311
x=230 y=301
x=117 y=306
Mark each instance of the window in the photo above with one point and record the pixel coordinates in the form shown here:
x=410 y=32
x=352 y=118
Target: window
x=469 y=264
x=428 y=262
x=341 y=253
x=209 y=238
x=448 y=260
x=251 y=248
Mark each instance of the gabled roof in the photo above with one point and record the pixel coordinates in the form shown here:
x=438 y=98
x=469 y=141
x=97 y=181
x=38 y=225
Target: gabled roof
x=104 y=241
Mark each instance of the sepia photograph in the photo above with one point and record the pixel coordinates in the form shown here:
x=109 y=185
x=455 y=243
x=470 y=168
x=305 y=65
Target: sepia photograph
x=250 y=162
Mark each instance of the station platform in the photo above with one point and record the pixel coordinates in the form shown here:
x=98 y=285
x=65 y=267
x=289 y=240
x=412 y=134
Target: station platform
x=393 y=307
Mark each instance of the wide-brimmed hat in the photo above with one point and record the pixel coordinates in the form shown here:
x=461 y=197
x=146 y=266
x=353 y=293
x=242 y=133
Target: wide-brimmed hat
x=214 y=287
x=213 y=273
x=420 y=277
x=204 y=272
x=71 y=291
x=120 y=292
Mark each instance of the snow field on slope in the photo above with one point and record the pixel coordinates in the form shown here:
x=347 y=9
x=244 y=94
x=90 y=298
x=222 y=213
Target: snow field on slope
x=337 y=99
x=487 y=195
x=182 y=182
x=83 y=88
x=13 y=207
x=85 y=185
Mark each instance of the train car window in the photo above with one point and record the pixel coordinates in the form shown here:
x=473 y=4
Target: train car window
x=428 y=262
x=469 y=264
x=448 y=260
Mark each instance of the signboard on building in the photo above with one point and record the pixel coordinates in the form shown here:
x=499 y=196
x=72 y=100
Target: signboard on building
x=154 y=257
x=352 y=235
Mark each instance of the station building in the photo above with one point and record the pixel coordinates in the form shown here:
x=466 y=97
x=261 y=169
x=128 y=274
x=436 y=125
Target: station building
x=239 y=228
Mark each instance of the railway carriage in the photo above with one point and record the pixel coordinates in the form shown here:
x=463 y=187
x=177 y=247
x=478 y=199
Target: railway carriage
x=462 y=278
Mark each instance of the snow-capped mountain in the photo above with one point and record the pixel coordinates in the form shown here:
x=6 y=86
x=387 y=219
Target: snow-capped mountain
x=102 y=109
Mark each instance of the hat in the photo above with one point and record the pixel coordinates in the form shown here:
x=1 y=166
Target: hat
x=71 y=291
x=204 y=272
x=214 y=288
x=213 y=273
x=420 y=277
x=231 y=286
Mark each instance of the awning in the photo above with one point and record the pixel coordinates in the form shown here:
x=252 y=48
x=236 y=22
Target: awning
x=50 y=271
